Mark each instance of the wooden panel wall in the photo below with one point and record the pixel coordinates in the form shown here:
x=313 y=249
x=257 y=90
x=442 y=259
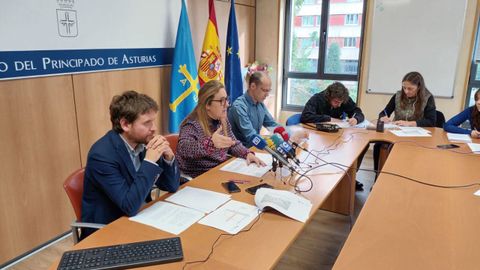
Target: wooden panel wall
x=50 y=123
x=39 y=148
x=94 y=92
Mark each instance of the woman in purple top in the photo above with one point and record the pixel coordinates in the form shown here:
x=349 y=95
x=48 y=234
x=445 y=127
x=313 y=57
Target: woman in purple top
x=472 y=114
x=206 y=136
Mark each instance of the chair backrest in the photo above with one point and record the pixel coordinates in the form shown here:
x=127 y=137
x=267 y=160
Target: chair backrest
x=293 y=119
x=73 y=186
x=440 y=119
x=173 y=140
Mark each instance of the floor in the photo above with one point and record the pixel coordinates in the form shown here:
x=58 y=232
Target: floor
x=317 y=247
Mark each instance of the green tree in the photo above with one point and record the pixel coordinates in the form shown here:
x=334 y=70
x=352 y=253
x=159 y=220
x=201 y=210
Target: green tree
x=332 y=64
x=299 y=58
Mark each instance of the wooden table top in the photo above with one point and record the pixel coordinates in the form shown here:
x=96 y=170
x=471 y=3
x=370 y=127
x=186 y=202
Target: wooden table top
x=262 y=246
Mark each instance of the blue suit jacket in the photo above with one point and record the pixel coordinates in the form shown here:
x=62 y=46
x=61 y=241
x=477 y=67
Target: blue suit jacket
x=112 y=187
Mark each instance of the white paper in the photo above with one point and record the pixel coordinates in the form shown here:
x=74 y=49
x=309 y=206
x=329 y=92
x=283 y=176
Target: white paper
x=285 y=202
x=475 y=147
x=454 y=137
x=345 y=124
x=231 y=217
x=363 y=124
x=168 y=217
x=239 y=165
x=477 y=193
x=390 y=126
x=200 y=199
x=411 y=132
x=414 y=130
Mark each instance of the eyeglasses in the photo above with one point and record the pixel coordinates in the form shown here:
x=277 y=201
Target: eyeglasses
x=266 y=90
x=223 y=101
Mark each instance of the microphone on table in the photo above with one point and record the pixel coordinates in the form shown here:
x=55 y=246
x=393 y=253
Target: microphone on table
x=261 y=144
x=282 y=132
x=284 y=147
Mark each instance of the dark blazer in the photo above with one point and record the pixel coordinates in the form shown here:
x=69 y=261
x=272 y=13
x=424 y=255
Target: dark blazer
x=112 y=188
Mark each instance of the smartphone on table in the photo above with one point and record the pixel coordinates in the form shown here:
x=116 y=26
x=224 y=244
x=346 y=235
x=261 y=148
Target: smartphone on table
x=231 y=187
x=447 y=146
x=253 y=190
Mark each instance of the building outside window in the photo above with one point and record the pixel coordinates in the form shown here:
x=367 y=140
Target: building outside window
x=307 y=20
x=321 y=52
x=351 y=19
x=349 y=42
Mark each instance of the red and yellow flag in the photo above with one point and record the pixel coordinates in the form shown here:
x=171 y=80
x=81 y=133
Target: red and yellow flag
x=210 y=67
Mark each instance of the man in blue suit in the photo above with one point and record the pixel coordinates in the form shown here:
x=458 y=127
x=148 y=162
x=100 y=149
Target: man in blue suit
x=127 y=162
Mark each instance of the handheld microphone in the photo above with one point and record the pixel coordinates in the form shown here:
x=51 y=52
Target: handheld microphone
x=282 y=132
x=261 y=144
x=285 y=148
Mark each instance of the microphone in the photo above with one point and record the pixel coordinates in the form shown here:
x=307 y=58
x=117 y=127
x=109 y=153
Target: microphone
x=282 y=132
x=271 y=144
x=284 y=147
x=261 y=144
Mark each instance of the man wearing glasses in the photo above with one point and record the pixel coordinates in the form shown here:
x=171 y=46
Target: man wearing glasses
x=248 y=113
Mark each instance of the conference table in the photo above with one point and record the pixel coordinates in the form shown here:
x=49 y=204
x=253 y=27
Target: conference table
x=403 y=224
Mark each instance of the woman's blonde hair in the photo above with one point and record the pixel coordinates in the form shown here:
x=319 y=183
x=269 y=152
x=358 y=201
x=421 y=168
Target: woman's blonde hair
x=205 y=97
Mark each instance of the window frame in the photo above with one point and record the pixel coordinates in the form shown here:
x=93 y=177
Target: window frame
x=472 y=82
x=320 y=74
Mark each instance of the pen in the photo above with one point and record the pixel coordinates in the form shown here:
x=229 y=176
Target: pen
x=353 y=116
x=240 y=181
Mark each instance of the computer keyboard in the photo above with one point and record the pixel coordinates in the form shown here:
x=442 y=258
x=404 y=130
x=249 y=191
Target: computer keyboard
x=124 y=256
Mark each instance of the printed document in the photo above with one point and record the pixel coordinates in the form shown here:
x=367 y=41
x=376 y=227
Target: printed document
x=239 y=165
x=285 y=202
x=390 y=126
x=411 y=132
x=231 y=217
x=475 y=147
x=463 y=138
x=168 y=217
x=345 y=124
x=199 y=199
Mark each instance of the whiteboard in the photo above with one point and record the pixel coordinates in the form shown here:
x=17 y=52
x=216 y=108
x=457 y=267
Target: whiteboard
x=415 y=35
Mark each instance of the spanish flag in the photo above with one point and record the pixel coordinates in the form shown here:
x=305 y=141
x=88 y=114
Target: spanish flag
x=210 y=67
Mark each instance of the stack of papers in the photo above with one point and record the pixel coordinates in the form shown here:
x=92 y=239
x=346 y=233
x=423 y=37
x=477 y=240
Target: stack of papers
x=345 y=124
x=199 y=199
x=390 y=126
x=411 y=132
x=239 y=165
x=475 y=147
x=168 y=217
x=231 y=217
x=285 y=202
x=454 y=137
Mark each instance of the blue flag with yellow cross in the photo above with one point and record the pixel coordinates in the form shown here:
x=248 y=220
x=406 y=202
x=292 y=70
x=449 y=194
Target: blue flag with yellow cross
x=184 y=84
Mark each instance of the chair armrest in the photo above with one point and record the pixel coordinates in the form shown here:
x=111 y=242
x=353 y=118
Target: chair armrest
x=87 y=225
x=77 y=225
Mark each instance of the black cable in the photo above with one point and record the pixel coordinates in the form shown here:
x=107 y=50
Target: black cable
x=428 y=147
x=218 y=238
x=337 y=165
x=391 y=173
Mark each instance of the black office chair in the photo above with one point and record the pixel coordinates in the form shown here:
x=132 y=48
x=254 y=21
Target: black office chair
x=440 y=119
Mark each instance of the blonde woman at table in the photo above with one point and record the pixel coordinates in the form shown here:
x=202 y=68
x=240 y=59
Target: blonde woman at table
x=206 y=135
x=414 y=106
x=472 y=114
